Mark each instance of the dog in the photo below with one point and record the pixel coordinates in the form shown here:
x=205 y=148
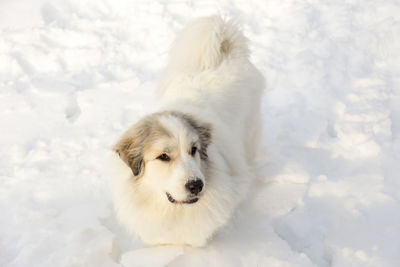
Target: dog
x=182 y=171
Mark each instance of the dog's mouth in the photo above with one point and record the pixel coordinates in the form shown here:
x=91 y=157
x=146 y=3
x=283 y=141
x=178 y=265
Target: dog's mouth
x=188 y=201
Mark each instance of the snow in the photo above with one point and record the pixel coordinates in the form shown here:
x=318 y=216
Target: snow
x=75 y=74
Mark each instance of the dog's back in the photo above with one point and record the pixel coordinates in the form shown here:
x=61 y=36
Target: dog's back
x=209 y=73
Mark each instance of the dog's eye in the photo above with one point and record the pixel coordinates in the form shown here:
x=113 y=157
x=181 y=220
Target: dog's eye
x=164 y=157
x=193 y=151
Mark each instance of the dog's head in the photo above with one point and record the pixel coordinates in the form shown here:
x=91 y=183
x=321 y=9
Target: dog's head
x=167 y=153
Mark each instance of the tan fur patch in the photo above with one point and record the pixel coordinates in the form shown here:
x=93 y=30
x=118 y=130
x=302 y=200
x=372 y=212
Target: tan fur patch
x=143 y=134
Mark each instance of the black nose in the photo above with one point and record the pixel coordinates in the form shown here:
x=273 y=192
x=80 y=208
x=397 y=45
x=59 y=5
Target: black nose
x=194 y=186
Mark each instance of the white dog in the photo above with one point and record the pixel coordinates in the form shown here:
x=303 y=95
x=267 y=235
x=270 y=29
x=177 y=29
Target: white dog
x=182 y=171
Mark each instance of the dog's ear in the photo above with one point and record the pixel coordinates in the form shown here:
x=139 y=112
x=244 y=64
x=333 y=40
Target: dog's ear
x=203 y=130
x=130 y=151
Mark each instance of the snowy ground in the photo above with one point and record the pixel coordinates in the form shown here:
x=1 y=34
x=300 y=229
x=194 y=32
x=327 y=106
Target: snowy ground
x=75 y=74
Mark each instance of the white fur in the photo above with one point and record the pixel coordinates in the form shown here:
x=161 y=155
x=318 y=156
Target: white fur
x=209 y=76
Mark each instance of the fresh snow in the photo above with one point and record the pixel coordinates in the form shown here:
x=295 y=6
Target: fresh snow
x=75 y=74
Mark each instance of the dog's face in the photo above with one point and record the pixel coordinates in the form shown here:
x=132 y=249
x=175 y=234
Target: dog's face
x=167 y=153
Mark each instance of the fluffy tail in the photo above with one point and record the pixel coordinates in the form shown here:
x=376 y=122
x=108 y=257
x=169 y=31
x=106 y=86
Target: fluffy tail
x=205 y=43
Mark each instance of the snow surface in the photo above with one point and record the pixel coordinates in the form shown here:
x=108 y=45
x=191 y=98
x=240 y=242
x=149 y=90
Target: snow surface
x=75 y=74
